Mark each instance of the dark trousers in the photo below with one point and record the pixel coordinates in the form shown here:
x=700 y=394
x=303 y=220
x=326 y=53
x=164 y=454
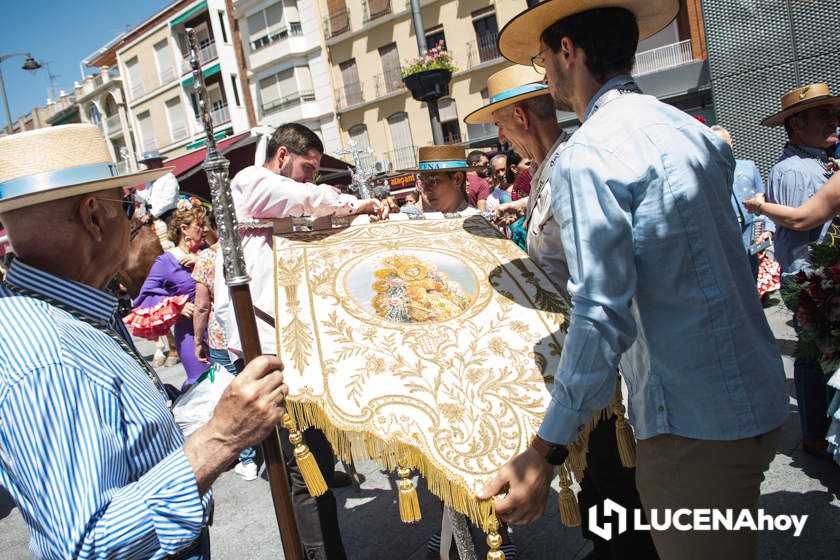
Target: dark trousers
x=812 y=397
x=317 y=518
x=605 y=477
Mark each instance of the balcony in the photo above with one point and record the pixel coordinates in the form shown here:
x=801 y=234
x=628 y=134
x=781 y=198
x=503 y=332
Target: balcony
x=219 y=115
x=149 y=144
x=353 y=94
x=293 y=29
x=375 y=9
x=167 y=75
x=288 y=101
x=179 y=132
x=388 y=82
x=663 y=58
x=137 y=89
x=337 y=23
x=205 y=54
x=482 y=50
x=113 y=125
x=403 y=158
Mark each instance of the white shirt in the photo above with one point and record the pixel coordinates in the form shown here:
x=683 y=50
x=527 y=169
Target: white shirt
x=260 y=194
x=161 y=195
x=545 y=245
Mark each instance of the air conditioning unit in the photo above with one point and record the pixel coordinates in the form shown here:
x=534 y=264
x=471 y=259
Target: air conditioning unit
x=382 y=166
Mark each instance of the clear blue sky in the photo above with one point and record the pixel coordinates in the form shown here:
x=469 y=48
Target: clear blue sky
x=61 y=33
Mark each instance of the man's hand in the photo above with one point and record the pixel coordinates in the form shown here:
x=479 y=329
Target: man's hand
x=201 y=352
x=376 y=208
x=526 y=478
x=765 y=235
x=188 y=310
x=187 y=261
x=247 y=412
x=753 y=205
x=509 y=212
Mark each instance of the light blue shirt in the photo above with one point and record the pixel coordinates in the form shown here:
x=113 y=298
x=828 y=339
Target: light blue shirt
x=88 y=448
x=797 y=175
x=659 y=281
x=746 y=184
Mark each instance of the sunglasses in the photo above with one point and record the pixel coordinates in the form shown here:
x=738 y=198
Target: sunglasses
x=128 y=203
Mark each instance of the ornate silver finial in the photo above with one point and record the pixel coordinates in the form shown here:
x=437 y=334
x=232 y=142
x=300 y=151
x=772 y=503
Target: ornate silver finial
x=363 y=172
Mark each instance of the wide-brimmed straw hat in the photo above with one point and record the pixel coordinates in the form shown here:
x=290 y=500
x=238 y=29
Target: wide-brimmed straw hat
x=519 y=40
x=506 y=87
x=800 y=99
x=445 y=158
x=60 y=162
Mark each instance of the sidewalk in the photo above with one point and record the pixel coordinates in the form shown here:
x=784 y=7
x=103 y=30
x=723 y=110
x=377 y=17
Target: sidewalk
x=245 y=528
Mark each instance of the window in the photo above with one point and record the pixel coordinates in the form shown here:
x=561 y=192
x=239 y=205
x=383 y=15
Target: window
x=350 y=79
x=359 y=135
x=163 y=57
x=486 y=130
x=339 y=17
x=177 y=122
x=486 y=34
x=269 y=25
x=147 y=131
x=434 y=36
x=390 y=59
x=222 y=25
x=233 y=82
x=135 y=79
x=449 y=121
x=378 y=8
x=532 y=3
x=285 y=88
x=403 y=155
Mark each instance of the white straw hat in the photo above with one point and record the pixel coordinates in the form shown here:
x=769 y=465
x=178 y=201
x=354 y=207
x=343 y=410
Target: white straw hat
x=60 y=162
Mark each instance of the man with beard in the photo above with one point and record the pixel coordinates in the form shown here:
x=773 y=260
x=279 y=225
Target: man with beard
x=524 y=113
x=478 y=189
x=808 y=115
x=282 y=187
x=658 y=283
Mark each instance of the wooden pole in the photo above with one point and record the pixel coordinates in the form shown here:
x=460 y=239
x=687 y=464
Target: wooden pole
x=236 y=276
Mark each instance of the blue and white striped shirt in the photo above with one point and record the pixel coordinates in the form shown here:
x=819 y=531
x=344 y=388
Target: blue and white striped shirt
x=88 y=449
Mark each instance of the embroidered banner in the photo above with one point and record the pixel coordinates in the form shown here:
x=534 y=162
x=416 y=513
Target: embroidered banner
x=427 y=344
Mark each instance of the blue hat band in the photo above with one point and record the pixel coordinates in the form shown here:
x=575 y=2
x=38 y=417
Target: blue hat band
x=56 y=179
x=519 y=90
x=433 y=165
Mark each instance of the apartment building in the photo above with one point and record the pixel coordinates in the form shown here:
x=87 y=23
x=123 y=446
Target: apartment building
x=153 y=61
x=368 y=42
x=286 y=65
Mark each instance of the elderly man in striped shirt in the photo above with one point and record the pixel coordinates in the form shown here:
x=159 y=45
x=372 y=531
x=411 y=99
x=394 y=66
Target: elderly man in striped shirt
x=88 y=448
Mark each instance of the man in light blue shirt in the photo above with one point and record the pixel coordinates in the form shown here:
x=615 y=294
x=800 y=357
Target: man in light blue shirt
x=808 y=115
x=659 y=284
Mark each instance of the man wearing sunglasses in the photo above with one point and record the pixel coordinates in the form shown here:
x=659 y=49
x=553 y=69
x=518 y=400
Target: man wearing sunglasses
x=89 y=450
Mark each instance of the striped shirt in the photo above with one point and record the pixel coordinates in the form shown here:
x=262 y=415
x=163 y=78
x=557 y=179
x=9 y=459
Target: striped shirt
x=88 y=448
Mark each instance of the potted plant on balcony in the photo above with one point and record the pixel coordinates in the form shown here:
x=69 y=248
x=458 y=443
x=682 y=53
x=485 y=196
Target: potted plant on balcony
x=428 y=76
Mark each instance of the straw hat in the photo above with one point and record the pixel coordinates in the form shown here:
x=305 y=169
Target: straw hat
x=800 y=99
x=445 y=158
x=506 y=87
x=59 y=162
x=150 y=155
x=519 y=40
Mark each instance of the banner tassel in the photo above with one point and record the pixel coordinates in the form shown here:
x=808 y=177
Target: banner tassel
x=407 y=497
x=305 y=460
x=494 y=540
x=569 y=511
x=623 y=431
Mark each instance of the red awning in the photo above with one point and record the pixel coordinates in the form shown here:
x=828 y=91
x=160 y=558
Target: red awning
x=188 y=162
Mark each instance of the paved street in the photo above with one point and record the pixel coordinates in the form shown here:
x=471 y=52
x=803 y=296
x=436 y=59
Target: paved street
x=244 y=525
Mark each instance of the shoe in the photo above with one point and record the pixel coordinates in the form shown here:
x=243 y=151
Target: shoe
x=172 y=361
x=247 y=471
x=816 y=447
x=158 y=360
x=340 y=479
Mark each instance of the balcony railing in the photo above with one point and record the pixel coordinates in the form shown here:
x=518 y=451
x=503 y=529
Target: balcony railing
x=403 y=158
x=149 y=144
x=388 y=82
x=662 y=58
x=205 y=54
x=375 y=9
x=353 y=94
x=483 y=49
x=294 y=29
x=137 y=90
x=167 y=74
x=337 y=23
x=113 y=124
x=220 y=114
x=293 y=99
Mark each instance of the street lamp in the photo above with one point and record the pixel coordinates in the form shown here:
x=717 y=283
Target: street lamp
x=30 y=65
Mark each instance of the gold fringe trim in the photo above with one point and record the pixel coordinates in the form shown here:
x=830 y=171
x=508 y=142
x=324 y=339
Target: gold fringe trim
x=407 y=497
x=305 y=460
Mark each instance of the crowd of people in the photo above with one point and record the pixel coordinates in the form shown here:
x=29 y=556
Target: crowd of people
x=660 y=238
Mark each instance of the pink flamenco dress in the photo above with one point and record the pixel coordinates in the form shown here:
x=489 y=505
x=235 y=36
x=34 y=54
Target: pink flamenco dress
x=167 y=289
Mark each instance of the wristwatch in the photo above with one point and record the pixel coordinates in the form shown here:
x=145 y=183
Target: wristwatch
x=553 y=453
